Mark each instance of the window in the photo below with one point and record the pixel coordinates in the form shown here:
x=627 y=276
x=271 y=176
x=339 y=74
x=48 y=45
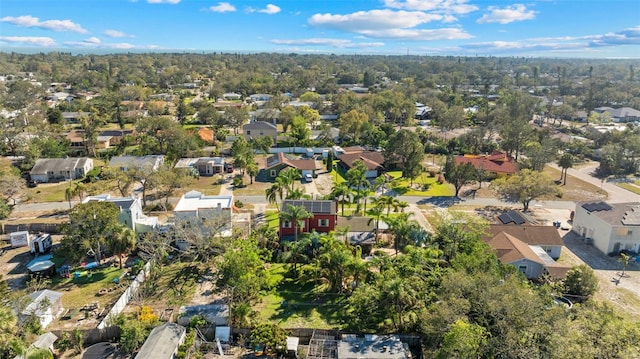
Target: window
x=273 y=173
x=522 y=269
x=323 y=223
x=248 y=132
x=286 y=224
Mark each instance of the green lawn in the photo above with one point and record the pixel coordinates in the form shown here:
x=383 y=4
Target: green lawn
x=84 y=290
x=271 y=217
x=424 y=185
x=630 y=187
x=337 y=175
x=176 y=283
x=296 y=303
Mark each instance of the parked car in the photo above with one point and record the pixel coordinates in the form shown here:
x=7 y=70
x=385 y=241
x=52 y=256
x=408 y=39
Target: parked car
x=228 y=168
x=308 y=177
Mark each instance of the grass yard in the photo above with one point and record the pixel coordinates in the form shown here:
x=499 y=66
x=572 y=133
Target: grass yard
x=47 y=192
x=176 y=283
x=84 y=290
x=206 y=185
x=630 y=187
x=423 y=185
x=575 y=189
x=271 y=217
x=296 y=303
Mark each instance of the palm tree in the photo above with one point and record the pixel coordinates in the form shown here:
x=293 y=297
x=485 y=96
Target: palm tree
x=402 y=205
x=296 y=216
x=69 y=193
x=296 y=193
x=122 y=241
x=356 y=177
x=289 y=177
x=565 y=162
x=341 y=190
x=379 y=183
x=376 y=212
x=387 y=201
x=399 y=226
x=273 y=192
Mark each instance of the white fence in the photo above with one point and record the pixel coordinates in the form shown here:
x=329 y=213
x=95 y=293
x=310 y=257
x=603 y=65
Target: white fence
x=301 y=150
x=128 y=294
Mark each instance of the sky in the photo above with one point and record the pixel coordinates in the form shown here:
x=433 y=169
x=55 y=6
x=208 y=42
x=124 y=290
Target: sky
x=536 y=28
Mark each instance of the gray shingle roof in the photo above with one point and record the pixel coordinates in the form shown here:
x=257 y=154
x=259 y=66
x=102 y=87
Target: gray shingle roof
x=45 y=165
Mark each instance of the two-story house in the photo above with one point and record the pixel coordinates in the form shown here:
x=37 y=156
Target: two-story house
x=611 y=227
x=131 y=214
x=257 y=129
x=213 y=213
x=323 y=217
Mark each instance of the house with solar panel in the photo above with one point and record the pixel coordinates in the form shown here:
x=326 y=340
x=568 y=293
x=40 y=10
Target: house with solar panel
x=324 y=217
x=610 y=227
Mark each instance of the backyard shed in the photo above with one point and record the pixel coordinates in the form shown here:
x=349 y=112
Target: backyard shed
x=19 y=239
x=163 y=342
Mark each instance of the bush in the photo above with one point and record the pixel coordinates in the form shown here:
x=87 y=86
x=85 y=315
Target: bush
x=238 y=203
x=146 y=315
x=238 y=182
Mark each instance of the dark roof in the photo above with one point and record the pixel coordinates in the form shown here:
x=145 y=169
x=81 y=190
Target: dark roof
x=511 y=217
x=529 y=234
x=373 y=160
x=102 y=350
x=312 y=206
x=116 y=133
x=281 y=158
x=260 y=125
x=497 y=162
x=596 y=206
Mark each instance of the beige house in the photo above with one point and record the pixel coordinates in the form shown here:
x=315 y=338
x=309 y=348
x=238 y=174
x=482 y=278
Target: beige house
x=610 y=227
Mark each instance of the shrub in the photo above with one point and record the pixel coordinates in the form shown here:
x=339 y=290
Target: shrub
x=146 y=315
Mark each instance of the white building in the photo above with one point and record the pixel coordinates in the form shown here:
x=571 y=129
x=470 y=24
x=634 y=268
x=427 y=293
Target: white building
x=45 y=305
x=131 y=214
x=194 y=208
x=610 y=227
x=60 y=169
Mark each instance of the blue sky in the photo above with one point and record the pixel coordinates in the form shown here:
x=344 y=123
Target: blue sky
x=560 y=28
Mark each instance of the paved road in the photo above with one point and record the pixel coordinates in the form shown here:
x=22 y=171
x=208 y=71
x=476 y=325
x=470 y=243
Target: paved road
x=616 y=194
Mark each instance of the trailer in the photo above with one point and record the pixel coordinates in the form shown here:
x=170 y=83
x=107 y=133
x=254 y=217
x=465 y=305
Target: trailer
x=20 y=239
x=42 y=243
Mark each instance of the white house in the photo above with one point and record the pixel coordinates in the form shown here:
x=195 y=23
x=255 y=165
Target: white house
x=60 y=169
x=45 y=305
x=131 y=214
x=194 y=208
x=610 y=227
x=146 y=163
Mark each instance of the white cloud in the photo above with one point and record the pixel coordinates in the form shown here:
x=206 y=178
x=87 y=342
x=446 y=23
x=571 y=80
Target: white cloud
x=116 y=33
x=172 y=2
x=270 y=9
x=55 y=25
x=516 y=12
x=418 y=34
x=223 y=7
x=445 y=6
x=93 y=40
x=337 y=43
x=29 y=40
x=630 y=36
x=373 y=20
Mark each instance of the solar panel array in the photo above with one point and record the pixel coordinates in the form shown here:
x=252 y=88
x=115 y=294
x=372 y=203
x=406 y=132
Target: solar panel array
x=316 y=206
x=511 y=216
x=596 y=206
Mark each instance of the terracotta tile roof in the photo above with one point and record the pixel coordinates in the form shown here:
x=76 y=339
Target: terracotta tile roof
x=497 y=162
x=529 y=234
x=510 y=249
x=206 y=134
